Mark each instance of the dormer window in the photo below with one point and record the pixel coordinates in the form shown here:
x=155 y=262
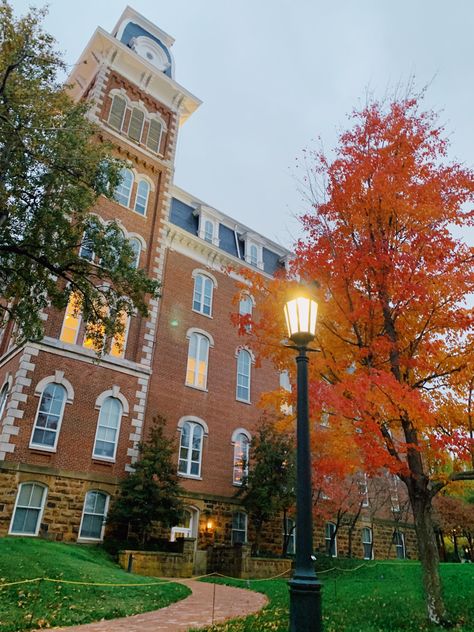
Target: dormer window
x=253 y=252
x=253 y=255
x=208 y=231
x=208 y=226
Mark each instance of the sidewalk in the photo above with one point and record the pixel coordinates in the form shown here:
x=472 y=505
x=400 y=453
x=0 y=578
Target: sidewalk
x=208 y=603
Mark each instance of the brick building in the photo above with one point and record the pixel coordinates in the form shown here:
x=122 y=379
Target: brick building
x=69 y=424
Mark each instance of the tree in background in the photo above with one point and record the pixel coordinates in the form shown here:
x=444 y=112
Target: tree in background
x=52 y=171
x=151 y=492
x=268 y=488
x=454 y=518
x=394 y=328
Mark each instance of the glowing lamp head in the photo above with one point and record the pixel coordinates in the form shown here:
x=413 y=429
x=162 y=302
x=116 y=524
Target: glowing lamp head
x=300 y=314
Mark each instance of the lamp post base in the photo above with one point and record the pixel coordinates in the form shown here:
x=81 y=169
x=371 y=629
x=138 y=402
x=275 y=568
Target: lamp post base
x=305 y=605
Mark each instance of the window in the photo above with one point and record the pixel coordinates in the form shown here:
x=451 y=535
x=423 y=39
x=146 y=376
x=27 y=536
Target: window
x=331 y=539
x=285 y=383
x=93 y=516
x=72 y=320
x=119 y=341
x=48 y=418
x=367 y=543
x=290 y=535
x=3 y=399
x=153 y=140
x=190 y=449
x=136 y=125
x=399 y=541
x=202 y=297
x=123 y=191
x=28 y=510
x=363 y=486
x=94 y=336
x=196 y=371
x=185 y=528
x=243 y=376
x=86 y=251
x=253 y=255
x=117 y=112
x=136 y=247
x=241 y=458
x=208 y=231
x=141 y=200
x=108 y=426
x=394 y=498
x=239 y=527
x=245 y=310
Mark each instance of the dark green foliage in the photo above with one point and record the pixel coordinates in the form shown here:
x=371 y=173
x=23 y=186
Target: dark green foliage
x=268 y=489
x=151 y=493
x=52 y=171
x=44 y=604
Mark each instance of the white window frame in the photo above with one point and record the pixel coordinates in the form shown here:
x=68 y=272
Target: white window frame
x=240 y=456
x=4 y=397
x=106 y=509
x=394 y=497
x=327 y=539
x=193 y=423
x=127 y=205
x=402 y=545
x=291 y=531
x=40 y=446
x=101 y=457
x=363 y=484
x=39 y=509
x=123 y=98
x=211 y=282
x=240 y=354
x=132 y=108
x=160 y=139
x=249 y=245
x=84 y=240
x=139 y=182
x=367 y=542
x=137 y=251
x=235 y=530
x=201 y=335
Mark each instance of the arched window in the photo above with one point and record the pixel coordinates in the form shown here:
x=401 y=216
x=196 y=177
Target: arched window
x=330 y=539
x=119 y=341
x=94 y=514
x=141 y=200
x=253 y=254
x=135 y=126
x=399 y=541
x=72 y=320
x=48 y=417
x=367 y=543
x=190 y=449
x=198 y=354
x=108 y=428
x=3 y=398
x=153 y=140
x=245 y=309
x=123 y=191
x=239 y=527
x=202 y=296
x=289 y=536
x=117 y=112
x=244 y=362
x=29 y=506
x=241 y=458
x=208 y=231
x=136 y=246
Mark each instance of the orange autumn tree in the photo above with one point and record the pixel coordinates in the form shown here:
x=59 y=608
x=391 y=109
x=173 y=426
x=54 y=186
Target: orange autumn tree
x=394 y=328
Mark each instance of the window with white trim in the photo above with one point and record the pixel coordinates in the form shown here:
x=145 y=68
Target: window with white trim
x=241 y=458
x=119 y=341
x=108 y=428
x=202 y=295
x=72 y=320
x=141 y=201
x=190 y=449
x=94 y=514
x=135 y=126
x=367 y=543
x=253 y=255
x=198 y=355
x=394 y=498
x=136 y=247
x=330 y=539
x=363 y=485
x=117 y=112
x=48 y=417
x=399 y=541
x=290 y=535
x=245 y=309
x=29 y=506
x=239 y=527
x=244 y=362
x=208 y=231
x=123 y=191
x=153 y=139
x=3 y=398
x=86 y=250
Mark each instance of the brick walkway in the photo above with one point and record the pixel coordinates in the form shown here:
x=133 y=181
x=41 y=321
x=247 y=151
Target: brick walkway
x=193 y=612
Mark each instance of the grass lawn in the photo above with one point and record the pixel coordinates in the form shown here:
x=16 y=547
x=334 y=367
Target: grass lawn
x=47 y=604
x=381 y=597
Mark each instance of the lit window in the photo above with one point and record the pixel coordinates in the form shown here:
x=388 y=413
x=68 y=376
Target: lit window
x=117 y=112
x=94 y=336
x=243 y=376
x=141 y=200
x=399 y=541
x=190 y=449
x=119 y=341
x=253 y=255
x=208 y=231
x=3 y=399
x=28 y=510
x=105 y=445
x=330 y=538
x=367 y=543
x=241 y=458
x=86 y=250
x=202 y=296
x=123 y=191
x=153 y=140
x=239 y=527
x=196 y=371
x=136 y=246
x=48 y=418
x=72 y=320
x=93 y=516
x=290 y=536
x=136 y=124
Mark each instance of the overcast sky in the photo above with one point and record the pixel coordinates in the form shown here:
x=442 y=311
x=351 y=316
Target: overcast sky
x=275 y=74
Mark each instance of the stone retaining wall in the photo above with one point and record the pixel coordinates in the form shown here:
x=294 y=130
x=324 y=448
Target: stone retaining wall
x=158 y=563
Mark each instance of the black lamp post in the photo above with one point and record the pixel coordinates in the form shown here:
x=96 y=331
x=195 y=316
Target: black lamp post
x=305 y=588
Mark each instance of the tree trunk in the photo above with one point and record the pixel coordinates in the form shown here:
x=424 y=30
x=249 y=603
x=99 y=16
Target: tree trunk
x=428 y=552
x=456 y=548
